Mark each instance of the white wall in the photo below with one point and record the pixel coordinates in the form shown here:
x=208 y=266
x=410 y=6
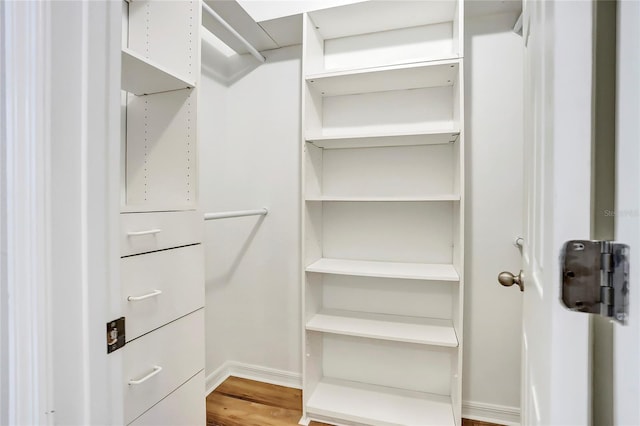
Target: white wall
x=494 y=137
x=249 y=158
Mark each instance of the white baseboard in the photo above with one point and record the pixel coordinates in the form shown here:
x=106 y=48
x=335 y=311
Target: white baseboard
x=216 y=378
x=253 y=372
x=304 y=421
x=492 y=413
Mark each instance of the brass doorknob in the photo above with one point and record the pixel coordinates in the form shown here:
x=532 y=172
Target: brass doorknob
x=507 y=279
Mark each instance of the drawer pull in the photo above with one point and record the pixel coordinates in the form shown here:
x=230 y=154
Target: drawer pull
x=147 y=232
x=156 y=370
x=144 y=296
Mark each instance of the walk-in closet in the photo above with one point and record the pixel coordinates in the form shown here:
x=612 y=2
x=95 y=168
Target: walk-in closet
x=311 y=198
x=319 y=212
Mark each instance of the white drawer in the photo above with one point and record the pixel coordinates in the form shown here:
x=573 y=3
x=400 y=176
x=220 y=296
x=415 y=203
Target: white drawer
x=161 y=361
x=161 y=286
x=145 y=232
x=184 y=407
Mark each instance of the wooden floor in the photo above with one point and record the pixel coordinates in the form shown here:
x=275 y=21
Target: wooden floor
x=242 y=402
x=467 y=422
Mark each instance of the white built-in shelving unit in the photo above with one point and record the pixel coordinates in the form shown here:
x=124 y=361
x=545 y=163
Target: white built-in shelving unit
x=162 y=273
x=383 y=203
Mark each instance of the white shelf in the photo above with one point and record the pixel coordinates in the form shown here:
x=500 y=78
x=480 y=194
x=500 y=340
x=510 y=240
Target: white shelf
x=425 y=198
x=372 y=17
x=142 y=76
x=395 y=77
x=365 y=268
x=128 y=208
x=423 y=331
x=379 y=406
x=372 y=139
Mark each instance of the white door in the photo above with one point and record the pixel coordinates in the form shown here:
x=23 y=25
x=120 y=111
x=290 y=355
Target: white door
x=555 y=350
x=627 y=338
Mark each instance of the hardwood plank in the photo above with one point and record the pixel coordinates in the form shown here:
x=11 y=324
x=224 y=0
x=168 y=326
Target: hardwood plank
x=242 y=402
x=263 y=393
x=224 y=410
x=468 y=422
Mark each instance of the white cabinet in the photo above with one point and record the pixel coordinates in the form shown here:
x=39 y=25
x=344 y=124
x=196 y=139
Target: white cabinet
x=383 y=205
x=160 y=287
x=159 y=362
x=147 y=232
x=181 y=407
x=162 y=261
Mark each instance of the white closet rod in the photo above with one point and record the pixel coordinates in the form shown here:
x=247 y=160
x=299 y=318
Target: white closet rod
x=239 y=213
x=236 y=34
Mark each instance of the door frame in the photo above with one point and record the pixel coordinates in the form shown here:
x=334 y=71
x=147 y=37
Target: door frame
x=25 y=215
x=626 y=339
x=59 y=223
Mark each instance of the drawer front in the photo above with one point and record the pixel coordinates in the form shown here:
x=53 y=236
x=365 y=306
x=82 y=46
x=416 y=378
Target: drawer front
x=157 y=363
x=184 y=407
x=161 y=286
x=145 y=232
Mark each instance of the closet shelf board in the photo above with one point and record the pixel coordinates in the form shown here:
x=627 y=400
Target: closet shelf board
x=423 y=331
x=365 y=268
x=425 y=198
x=372 y=139
x=376 y=405
x=371 y=17
x=381 y=79
x=127 y=208
x=141 y=76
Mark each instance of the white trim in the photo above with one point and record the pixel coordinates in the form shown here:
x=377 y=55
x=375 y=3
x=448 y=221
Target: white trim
x=258 y=373
x=266 y=375
x=304 y=421
x=626 y=339
x=216 y=378
x=26 y=215
x=85 y=70
x=59 y=254
x=491 y=413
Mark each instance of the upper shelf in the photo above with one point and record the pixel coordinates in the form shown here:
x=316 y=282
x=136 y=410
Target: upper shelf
x=373 y=139
x=372 y=17
x=141 y=76
x=394 y=77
